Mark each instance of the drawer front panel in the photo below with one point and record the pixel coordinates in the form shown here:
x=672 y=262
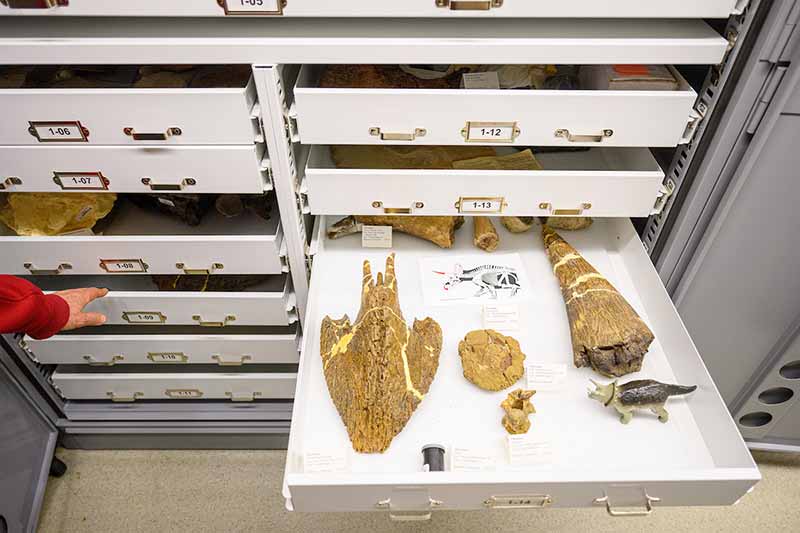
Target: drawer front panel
x=130 y=387
x=697 y=458
x=525 y=193
x=351 y=116
x=406 y=8
x=182 y=116
x=136 y=255
x=228 y=169
x=110 y=350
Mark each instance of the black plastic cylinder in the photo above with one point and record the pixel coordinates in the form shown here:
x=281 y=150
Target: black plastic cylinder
x=433 y=457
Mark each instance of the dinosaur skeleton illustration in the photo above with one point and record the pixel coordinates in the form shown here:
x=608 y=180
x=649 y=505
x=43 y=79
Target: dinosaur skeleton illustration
x=488 y=278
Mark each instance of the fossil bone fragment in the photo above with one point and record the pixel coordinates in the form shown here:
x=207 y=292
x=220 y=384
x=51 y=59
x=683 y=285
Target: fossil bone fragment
x=491 y=360
x=607 y=334
x=485 y=235
x=639 y=394
x=517 y=407
x=518 y=224
x=567 y=223
x=439 y=230
x=378 y=369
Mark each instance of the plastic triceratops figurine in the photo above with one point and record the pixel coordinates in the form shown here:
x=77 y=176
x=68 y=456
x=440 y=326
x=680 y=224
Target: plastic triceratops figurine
x=639 y=394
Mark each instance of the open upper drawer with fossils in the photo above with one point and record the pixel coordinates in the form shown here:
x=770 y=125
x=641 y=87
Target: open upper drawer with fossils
x=480 y=180
x=168 y=345
x=371 y=8
x=212 y=301
x=545 y=105
x=132 y=169
x=163 y=105
x=424 y=398
x=89 y=234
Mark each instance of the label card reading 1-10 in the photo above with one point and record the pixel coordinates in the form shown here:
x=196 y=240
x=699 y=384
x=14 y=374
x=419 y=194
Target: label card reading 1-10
x=480 y=205
x=247 y=7
x=497 y=132
x=48 y=132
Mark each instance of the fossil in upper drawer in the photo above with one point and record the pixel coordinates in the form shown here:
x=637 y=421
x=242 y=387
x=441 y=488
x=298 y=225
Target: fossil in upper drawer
x=39 y=214
x=378 y=369
x=408 y=157
x=607 y=334
x=439 y=230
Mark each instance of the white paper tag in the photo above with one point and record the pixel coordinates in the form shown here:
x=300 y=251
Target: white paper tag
x=166 y=202
x=545 y=376
x=525 y=450
x=376 y=236
x=85 y=232
x=324 y=462
x=466 y=459
x=481 y=80
x=502 y=317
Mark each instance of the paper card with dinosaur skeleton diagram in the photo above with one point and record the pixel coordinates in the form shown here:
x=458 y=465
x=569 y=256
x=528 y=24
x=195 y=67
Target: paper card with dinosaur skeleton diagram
x=474 y=279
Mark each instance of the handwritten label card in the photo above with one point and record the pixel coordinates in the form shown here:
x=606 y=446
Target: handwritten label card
x=545 y=376
x=376 y=236
x=526 y=450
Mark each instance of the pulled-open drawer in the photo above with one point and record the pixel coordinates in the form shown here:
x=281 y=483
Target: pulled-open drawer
x=602 y=182
x=492 y=116
x=168 y=345
x=210 y=113
x=371 y=8
x=185 y=169
x=245 y=384
x=138 y=241
x=697 y=458
x=270 y=301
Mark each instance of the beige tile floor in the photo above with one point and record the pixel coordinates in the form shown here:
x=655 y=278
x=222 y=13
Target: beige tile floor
x=233 y=491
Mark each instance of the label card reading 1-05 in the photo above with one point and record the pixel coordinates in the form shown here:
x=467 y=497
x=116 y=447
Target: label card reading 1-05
x=58 y=132
x=123 y=266
x=493 y=132
x=467 y=204
x=253 y=7
x=84 y=181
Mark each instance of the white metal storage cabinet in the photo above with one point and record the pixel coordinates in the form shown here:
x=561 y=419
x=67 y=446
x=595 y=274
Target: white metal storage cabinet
x=698 y=458
x=375 y=8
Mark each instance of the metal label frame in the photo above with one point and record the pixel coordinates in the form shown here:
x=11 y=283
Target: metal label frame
x=153 y=356
x=142 y=266
x=58 y=179
x=162 y=318
x=515 y=131
x=234 y=13
x=464 y=199
x=32 y=125
x=183 y=394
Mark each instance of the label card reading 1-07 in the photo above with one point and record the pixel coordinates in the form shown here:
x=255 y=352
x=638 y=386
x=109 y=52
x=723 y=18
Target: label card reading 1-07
x=252 y=7
x=88 y=181
x=49 y=132
x=123 y=266
x=497 y=132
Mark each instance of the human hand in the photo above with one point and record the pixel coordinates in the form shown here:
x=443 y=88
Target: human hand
x=77 y=299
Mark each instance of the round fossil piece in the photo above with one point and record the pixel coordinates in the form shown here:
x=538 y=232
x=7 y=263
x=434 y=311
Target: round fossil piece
x=491 y=360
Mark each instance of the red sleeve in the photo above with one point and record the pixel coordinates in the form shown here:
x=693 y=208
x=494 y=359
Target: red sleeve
x=25 y=309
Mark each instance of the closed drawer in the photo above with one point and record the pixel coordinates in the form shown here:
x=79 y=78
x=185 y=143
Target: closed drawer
x=160 y=383
x=170 y=345
x=370 y=8
x=188 y=169
x=130 y=116
x=697 y=458
x=137 y=300
x=521 y=117
x=601 y=182
x=137 y=241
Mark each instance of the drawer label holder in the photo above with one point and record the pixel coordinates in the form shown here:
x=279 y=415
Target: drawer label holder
x=123 y=266
x=184 y=394
x=144 y=317
x=168 y=357
x=252 y=7
x=81 y=181
x=480 y=204
x=68 y=131
x=490 y=132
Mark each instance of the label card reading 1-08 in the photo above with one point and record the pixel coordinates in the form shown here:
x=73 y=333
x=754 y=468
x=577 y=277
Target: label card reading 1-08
x=254 y=7
x=48 y=132
x=123 y=266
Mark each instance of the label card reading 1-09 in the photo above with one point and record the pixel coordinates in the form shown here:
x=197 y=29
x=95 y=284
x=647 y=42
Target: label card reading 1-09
x=253 y=7
x=50 y=132
x=123 y=266
x=494 y=132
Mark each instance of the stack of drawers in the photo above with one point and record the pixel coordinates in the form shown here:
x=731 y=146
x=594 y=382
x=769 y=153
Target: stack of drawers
x=156 y=345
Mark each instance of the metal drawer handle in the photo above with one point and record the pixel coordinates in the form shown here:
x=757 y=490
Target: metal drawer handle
x=243 y=396
x=546 y=206
x=401 y=515
x=573 y=138
x=199 y=271
x=419 y=132
x=47 y=271
x=469 y=5
x=185 y=182
x=242 y=360
x=213 y=323
x=130 y=132
x=93 y=362
x=535 y=501
x=397 y=210
x=124 y=399
x=648 y=506
x=10 y=182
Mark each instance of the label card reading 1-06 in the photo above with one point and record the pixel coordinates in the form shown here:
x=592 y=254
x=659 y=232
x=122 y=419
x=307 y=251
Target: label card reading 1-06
x=253 y=7
x=53 y=132
x=123 y=266
x=494 y=132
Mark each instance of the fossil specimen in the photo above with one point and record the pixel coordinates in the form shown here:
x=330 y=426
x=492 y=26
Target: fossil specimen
x=607 y=334
x=37 y=214
x=405 y=157
x=377 y=369
x=639 y=394
x=517 y=407
x=491 y=360
x=485 y=236
x=439 y=230
x=383 y=77
x=518 y=224
x=568 y=223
